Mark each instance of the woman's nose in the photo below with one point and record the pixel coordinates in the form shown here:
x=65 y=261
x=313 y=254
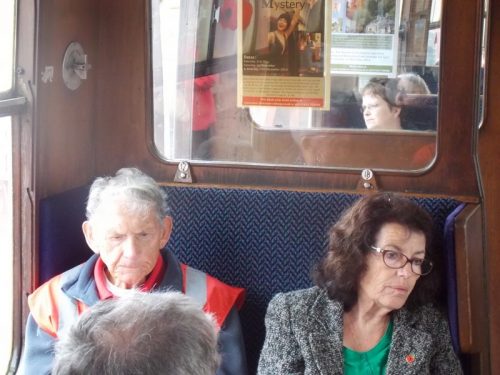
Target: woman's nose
x=405 y=271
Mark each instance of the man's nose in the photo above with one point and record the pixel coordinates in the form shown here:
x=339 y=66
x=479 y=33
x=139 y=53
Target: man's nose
x=130 y=247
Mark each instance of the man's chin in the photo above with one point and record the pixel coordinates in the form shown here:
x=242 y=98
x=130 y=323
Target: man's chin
x=129 y=281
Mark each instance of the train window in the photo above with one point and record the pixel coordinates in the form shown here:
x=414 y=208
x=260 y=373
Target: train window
x=483 y=66
x=379 y=61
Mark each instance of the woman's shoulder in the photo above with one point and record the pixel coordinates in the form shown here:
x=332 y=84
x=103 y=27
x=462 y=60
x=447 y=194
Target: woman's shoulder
x=298 y=294
x=426 y=317
x=430 y=311
x=299 y=299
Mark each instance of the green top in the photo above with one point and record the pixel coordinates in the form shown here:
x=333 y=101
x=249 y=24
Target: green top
x=372 y=362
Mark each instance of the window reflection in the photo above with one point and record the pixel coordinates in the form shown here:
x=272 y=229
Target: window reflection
x=483 y=64
x=196 y=116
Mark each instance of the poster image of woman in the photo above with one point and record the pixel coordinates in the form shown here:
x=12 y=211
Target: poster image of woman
x=282 y=45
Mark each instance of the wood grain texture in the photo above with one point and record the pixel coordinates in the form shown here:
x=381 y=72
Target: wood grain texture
x=489 y=156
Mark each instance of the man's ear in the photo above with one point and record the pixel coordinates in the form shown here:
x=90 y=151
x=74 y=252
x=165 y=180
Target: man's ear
x=89 y=236
x=167 y=225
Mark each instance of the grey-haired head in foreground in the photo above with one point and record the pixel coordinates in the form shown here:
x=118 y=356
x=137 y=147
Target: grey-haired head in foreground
x=140 y=333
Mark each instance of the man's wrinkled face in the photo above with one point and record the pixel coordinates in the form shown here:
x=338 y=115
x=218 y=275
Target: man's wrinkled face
x=128 y=242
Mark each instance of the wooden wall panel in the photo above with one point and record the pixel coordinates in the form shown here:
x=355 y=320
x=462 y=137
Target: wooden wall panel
x=489 y=157
x=121 y=99
x=471 y=283
x=64 y=118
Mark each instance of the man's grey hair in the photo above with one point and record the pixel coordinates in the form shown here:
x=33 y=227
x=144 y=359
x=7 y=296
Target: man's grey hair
x=412 y=83
x=140 y=192
x=140 y=333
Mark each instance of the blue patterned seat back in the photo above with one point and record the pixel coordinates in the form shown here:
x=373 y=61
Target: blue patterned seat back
x=62 y=244
x=264 y=240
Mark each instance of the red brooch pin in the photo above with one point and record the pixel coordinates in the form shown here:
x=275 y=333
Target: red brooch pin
x=410 y=358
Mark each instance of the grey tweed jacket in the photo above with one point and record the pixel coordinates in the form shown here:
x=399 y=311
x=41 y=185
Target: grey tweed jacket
x=304 y=336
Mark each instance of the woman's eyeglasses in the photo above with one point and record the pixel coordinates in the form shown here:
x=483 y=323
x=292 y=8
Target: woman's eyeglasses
x=369 y=107
x=395 y=259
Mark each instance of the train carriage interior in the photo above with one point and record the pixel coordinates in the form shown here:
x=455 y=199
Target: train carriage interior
x=97 y=85
x=258 y=232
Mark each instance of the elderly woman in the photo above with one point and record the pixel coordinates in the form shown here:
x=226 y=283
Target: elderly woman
x=380 y=104
x=370 y=311
x=127 y=227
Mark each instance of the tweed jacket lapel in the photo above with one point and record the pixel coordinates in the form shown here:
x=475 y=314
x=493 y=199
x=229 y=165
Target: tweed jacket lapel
x=410 y=352
x=325 y=335
x=411 y=349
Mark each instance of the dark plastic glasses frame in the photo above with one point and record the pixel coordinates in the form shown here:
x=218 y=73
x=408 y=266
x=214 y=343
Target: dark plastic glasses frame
x=408 y=260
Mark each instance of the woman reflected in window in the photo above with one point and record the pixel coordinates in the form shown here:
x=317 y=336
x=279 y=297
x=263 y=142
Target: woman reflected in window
x=380 y=107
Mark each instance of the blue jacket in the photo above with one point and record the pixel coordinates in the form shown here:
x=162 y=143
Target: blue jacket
x=78 y=284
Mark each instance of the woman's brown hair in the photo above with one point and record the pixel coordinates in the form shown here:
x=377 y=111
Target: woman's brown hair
x=351 y=238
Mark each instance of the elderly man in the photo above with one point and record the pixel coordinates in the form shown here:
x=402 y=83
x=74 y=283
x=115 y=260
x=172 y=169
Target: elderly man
x=140 y=333
x=127 y=227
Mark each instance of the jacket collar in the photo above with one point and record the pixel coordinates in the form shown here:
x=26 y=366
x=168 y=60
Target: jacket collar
x=78 y=283
x=172 y=280
x=410 y=347
x=325 y=327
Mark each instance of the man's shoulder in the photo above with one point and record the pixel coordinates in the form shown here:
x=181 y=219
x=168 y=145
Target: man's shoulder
x=58 y=280
x=216 y=287
x=63 y=281
x=216 y=296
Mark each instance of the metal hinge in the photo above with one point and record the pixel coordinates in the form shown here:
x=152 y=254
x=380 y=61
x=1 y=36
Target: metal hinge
x=183 y=173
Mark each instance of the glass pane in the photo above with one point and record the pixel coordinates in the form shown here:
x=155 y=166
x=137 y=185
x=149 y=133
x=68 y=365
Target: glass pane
x=383 y=79
x=6 y=44
x=6 y=239
x=483 y=66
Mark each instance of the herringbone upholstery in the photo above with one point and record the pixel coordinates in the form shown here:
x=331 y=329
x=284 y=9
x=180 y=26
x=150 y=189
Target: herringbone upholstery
x=264 y=240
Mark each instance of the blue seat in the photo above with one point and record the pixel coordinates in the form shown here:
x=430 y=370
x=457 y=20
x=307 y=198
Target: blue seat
x=264 y=240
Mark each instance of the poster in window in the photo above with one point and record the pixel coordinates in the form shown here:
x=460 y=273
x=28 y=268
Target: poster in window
x=283 y=54
x=364 y=37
